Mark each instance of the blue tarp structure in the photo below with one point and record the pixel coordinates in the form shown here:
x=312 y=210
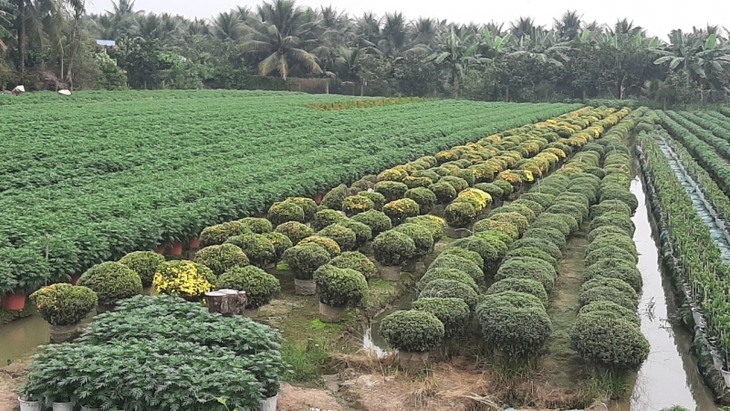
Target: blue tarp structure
x=106 y=43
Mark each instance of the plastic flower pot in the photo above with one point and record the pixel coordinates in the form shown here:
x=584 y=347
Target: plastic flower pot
x=268 y=404
x=160 y=249
x=330 y=314
x=176 y=250
x=195 y=243
x=85 y=408
x=726 y=375
x=305 y=287
x=14 y=302
x=29 y=405
x=63 y=406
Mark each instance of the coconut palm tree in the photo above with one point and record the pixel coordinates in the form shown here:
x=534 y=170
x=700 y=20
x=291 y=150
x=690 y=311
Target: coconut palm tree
x=524 y=27
x=568 y=26
x=227 y=26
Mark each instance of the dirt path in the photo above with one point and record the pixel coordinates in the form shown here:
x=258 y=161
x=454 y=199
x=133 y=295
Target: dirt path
x=11 y=377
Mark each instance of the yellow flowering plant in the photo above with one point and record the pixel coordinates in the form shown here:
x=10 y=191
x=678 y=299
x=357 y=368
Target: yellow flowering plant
x=184 y=279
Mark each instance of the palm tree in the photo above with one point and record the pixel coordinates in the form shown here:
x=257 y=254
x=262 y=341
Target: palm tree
x=568 y=26
x=457 y=54
x=524 y=27
x=6 y=14
x=30 y=16
x=368 y=28
x=278 y=36
x=627 y=28
x=394 y=34
x=351 y=60
x=227 y=26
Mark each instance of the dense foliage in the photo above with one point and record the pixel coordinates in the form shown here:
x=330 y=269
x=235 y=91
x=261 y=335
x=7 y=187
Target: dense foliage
x=64 y=304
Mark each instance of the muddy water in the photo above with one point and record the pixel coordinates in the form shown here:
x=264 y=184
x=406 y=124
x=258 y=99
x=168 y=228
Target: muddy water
x=20 y=337
x=669 y=376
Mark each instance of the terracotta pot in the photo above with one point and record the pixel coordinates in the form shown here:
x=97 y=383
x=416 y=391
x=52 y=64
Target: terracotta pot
x=176 y=249
x=160 y=249
x=75 y=279
x=14 y=302
x=195 y=243
x=330 y=314
x=318 y=198
x=305 y=287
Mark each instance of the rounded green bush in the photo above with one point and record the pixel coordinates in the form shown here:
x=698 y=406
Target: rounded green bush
x=554 y=223
x=516 y=219
x=355 y=261
x=612 y=310
x=607 y=293
x=340 y=287
x=452 y=312
x=393 y=248
x=305 y=259
x=466 y=175
x=508 y=228
x=610 y=252
x=281 y=243
x=376 y=220
x=615 y=268
x=377 y=199
x=604 y=230
x=614 y=219
x=295 y=230
x=435 y=225
x=399 y=210
x=284 y=211
x=391 y=190
x=259 y=249
x=64 y=304
x=111 y=281
x=326 y=217
x=514 y=323
x=585 y=189
x=464 y=253
x=507 y=188
x=424 y=197
x=574 y=210
x=144 y=263
x=221 y=258
x=530 y=268
x=458 y=183
x=575 y=198
x=521 y=285
x=430 y=174
x=363 y=233
x=334 y=198
x=330 y=245
x=260 y=286
x=547 y=234
x=515 y=208
x=545 y=200
x=459 y=263
x=609 y=342
x=447 y=274
x=615 y=192
x=306 y=204
x=414 y=182
x=442 y=288
x=609 y=206
x=343 y=236
x=601 y=281
x=618 y=240
x=257 y=225
x=491 y=249
x=420 y=235
x=460 y=215
x=532 y=252
x=533 y=206
x=445 y=192
x=596 y=171
x=491 y=189
x=357 y=204
x=218 y=234
x=547 y=247
x=412 y=331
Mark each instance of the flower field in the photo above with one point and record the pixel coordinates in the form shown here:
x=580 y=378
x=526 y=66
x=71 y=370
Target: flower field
x=109 y=173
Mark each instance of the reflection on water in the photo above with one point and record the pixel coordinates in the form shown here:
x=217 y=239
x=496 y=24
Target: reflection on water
x=21 y=337
x=669 y=376
x=369 y=344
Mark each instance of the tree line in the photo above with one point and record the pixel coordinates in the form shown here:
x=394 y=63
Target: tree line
x=52 y=43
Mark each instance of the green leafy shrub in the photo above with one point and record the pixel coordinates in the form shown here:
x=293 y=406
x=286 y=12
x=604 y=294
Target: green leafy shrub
x=607 y=293
x=330 y=245
x=440 y=273
x=420 y=235
x=604 y=230
x=600 y=281
x=64 y=304
x=506 y=227
x=144 y=263
x=460 y=214
x=466 y=175
x=612 y=310
x=445 y=192
x=491 y=249
x=280 y=242
x=530 y=268
x=491 y=189
x=260 y=286
x=507 y=188
x=391 y=190
x=515 y=208
x=574 y=210
x=613 y=268
x=458 y=183
x=547 y=247
x=424 y=197
x=533 y=206
x=553 y=223
x=412 y=330
x=452 y=312
x=551 y=235
x=184 y=279
x=532 y=252
x=610 y=251
x=463 y=252
x=545 y=200
x=616 y=192
x=257 y=225
x=435 y=225
x=516 y=219
x=218 y=234
x=357 y=204
x=415 y=182
x=377 y=199
x=326 y=217
x=459 y=263
x=399 y=210
x=259 y=250
x=295 y=230
x=393 y=248
x=221 y=258
x=363 y=233
x=343 y=236
x=430 y=174
x=334 y=198
x=355 y=261
x=284 y=211
x=585 y=189
x=618 y=240
x=376 y=220
x=111 y=282
x=305 y=259
x=614 y=219
x=340 y=287
x=521 y=285
x=477 y=198
x=609 y=342
x=609 y=206
x=306 y=204
x=442 y=288
x=514 y=323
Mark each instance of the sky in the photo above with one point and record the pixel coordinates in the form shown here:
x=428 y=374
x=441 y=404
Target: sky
x=657 y=16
